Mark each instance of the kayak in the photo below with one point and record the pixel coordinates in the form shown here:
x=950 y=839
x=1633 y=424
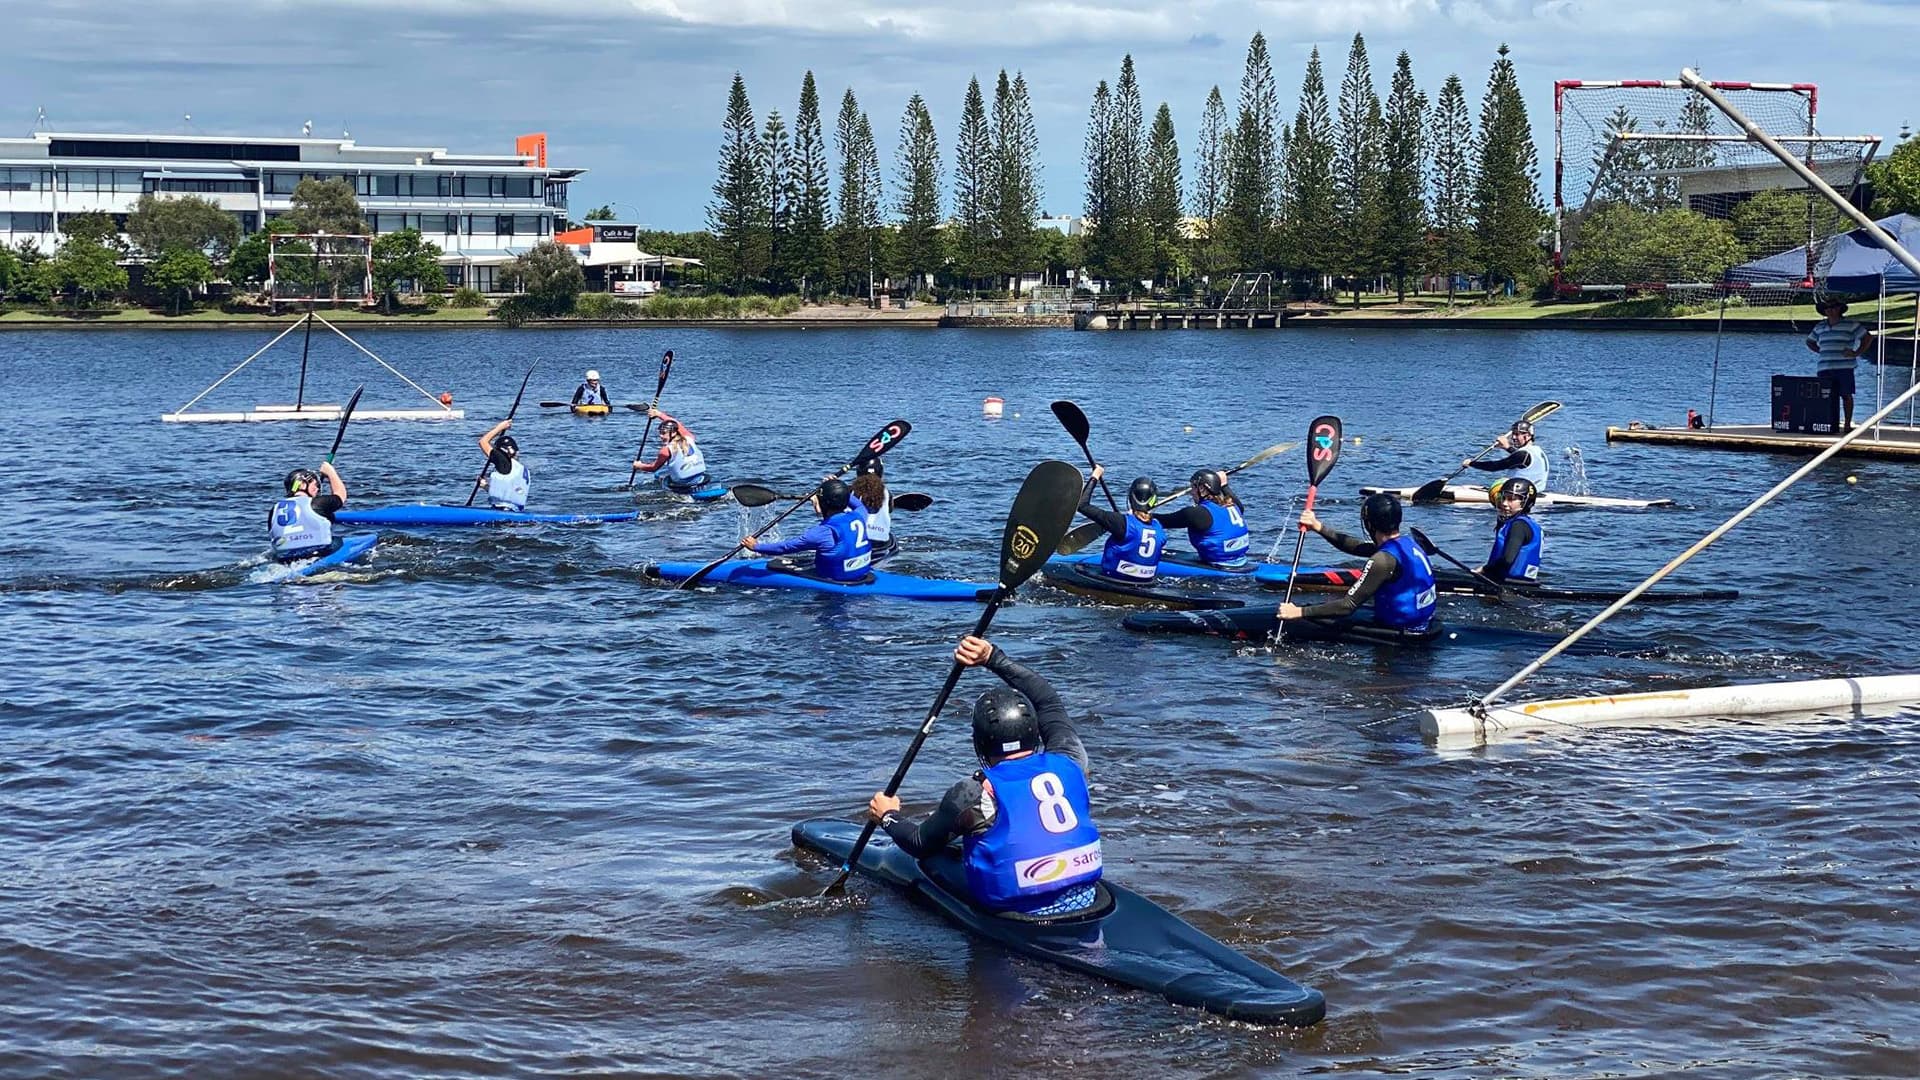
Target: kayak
x=706 y=493
x=352 y=547
x=590 y=410
x=419 y=514
x=757 y=573
x=1461 y=583
x=1258 y=624
x=1125 y=938
x=1180 y=566
x=1470 y=494
x=1081 y=579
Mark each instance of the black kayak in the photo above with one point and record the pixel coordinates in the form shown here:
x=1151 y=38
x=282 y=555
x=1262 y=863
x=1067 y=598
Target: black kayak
x=1082 y=579
x=1124 y=938
x=1258 y=624
x=1461 y=583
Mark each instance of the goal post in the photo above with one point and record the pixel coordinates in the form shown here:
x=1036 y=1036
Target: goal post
x=1656 y=192
x=313 y=269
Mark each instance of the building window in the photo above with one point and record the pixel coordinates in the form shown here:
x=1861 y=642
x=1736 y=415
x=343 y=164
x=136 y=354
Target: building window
x=503 y=224
x=456 y=275
x=519 y=187
x=22 y=180
x=282 y=183
x=528 y=225
x=249 y=222
x=23 y=222
x=434 y=223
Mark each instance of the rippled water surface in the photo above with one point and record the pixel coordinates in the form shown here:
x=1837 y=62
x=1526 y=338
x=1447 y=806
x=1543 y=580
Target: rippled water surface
x=493 y=805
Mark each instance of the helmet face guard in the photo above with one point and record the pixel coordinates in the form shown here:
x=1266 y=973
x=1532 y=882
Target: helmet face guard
x=298 y=479
x=1142 y=494
x=508 y=446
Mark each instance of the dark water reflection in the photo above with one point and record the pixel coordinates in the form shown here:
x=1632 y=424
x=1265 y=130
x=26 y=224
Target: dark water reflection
x=491 y=805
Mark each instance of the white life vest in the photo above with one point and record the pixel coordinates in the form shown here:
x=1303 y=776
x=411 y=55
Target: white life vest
x=1536 y=467
x=508 y=490
x=684 y=467
x=297 y=529
x=880 y=522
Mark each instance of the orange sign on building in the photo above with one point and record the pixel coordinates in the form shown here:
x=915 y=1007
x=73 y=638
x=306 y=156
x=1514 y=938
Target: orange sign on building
x=534 y=145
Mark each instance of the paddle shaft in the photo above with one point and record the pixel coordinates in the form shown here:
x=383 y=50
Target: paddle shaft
x=345 y=415
x=919 y=740
x=482 y=478
x=1080 y=428
x=1704 y=542
x=666 y=368
x=1429 y=545
x=1300 y=544
x=1082 y=535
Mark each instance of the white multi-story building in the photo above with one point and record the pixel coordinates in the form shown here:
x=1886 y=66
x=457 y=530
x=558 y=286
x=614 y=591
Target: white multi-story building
x=482 y=209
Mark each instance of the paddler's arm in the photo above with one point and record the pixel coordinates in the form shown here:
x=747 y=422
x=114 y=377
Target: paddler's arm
x=1115 y=524
x=1187 y=517
x=659 y=459
x=662 y=415
x=579 y=392
x=816 y=538
x=486 y=441
x=1056 y=728
x=1380 y=569
x=1352 y=545
x=1513 y=460
x=926 y=837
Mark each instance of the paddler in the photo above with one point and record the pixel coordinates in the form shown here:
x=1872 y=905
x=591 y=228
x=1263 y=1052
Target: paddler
x=1397 y=580
x=591 y=392
x=681 y=465
x=506 y=483
x=841 y=550
x=1134 y=539
x=1023 y=820
x=1517 y=539
x=300 y=526
x=1216 y=523
x=870 y=487
x=1525 y=458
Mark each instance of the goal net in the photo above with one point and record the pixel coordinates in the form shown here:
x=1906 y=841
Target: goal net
x=1657 y=193
x=320 y=268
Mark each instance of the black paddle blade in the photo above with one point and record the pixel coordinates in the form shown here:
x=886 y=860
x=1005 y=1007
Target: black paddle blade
x=1429 y=491
x=1041 y=513
x=1074 y=419
x=555 y=404
x=753 y=495
x=635 y=406
x=883 y=440
x=1323 y=448
x=912 y=501
x=1426 y=545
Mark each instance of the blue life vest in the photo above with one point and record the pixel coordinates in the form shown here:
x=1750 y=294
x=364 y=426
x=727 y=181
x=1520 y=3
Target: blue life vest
x=1041 y=841
x=852 y=552
x=1408 y=601
x=1137 y=556
x=1224 y=540
x=296 y=530
x=1526 y=566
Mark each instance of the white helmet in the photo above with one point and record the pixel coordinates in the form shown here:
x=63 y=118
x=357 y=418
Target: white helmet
x=593 y=376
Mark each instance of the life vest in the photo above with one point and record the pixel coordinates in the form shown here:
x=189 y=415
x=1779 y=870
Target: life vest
x=1536 y=467
x=683 y=467
x=1526 y=565
x=1041 y=841
x=880 y=522
x=1136 y=556
x=592 y=395
x=852 y=552
x=297 y=529
x=1409 y=600
x=508 y=490
x=1224 y=540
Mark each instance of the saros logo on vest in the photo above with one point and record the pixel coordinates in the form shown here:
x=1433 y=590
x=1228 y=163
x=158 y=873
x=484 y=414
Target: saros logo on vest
x=1025 y=542
x=1047 y=869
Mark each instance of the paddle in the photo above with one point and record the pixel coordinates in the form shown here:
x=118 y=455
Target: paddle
x=757 y=495
x=556 y=404
x=478 y=480
x=1431 y=490
x=1074 y=419
x=1040 y=515
x=883 y=440
x=912 y=501
x=666 y=368
x=1323 y=440
x=1082 y=535
x=346 y=414
x=1432 y=548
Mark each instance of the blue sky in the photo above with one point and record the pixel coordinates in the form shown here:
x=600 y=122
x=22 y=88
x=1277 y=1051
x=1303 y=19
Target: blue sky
x=634 y=89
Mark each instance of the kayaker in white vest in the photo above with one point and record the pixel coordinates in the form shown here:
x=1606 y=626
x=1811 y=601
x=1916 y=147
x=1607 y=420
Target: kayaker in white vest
x=679 y=462
x=300 y=526
x=507 y=484
x=1525 y=458
x=591 y=392
x=871 y=489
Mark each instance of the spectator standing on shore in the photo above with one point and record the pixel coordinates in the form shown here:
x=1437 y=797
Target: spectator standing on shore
x=1839 y=342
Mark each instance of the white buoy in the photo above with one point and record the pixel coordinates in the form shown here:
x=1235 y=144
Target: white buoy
x=993 y=406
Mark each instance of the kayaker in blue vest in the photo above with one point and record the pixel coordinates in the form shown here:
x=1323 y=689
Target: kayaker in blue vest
x=1524 y=457
x=507 y=484
x=1216 y=523
x=591 y=392
x=1023 y=821
x=1397 y=579
x=300 y=526
x=1134 y=539
x=870 y=487
x=1517 y=539
x=841 y=550
x=680 y=463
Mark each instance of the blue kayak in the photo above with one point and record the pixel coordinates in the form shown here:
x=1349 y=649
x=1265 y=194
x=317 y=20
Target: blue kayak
x=756 y=573
x=1181 y=566
x=1124 y=938
x=352 y=548
x=705 y=493
x=428 y=514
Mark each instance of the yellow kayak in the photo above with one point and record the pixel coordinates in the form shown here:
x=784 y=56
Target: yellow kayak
x=590 y=410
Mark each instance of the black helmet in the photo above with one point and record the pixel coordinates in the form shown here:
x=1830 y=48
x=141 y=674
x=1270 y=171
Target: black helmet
x=1142 y=493
x=1517 y=486
x=507 y=445
x=1207 y=482
x=1380 y=513
x=1003 y=724
x=1523 y=427
x=300 y=478
x=873 y=468
x=833 y=496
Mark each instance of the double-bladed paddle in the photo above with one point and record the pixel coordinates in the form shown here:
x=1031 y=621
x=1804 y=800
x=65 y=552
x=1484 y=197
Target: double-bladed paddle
x=757 y=495
x=1074 y=419
x=1431 y=549
x=482 y=478
x=1323 y=449
x=1433 y=489
x=1082 y=535
x=666 y=368
x=882 y=441
x=1046 y=504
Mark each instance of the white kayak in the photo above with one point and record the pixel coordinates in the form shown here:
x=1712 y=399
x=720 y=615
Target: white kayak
x=1705 y=702
x=1474 y=495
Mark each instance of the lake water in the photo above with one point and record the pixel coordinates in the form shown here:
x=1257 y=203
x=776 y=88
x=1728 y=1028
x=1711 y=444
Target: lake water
x=493 y=805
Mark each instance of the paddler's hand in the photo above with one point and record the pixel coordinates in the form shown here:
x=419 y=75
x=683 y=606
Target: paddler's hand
x=1099 y=471
x=1290 y=611
x=1504 y=442
x=1309 y=521
x=973 y=651
x=750 y=543
x=638 y=464
x=882 y=804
